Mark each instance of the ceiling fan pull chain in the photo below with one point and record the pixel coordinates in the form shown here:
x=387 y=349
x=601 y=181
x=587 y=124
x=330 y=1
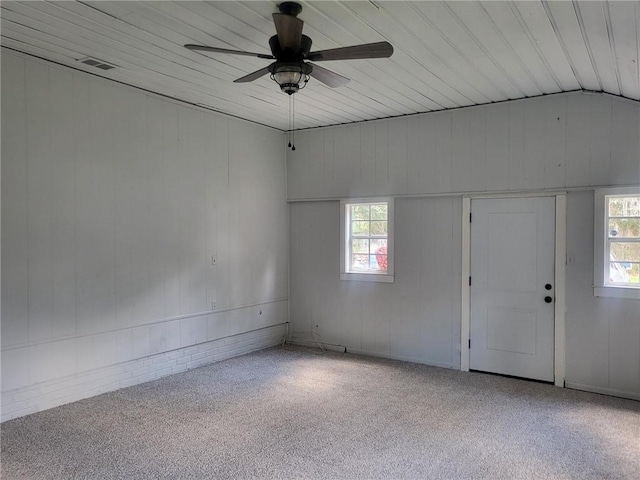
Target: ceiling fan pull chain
x=289 y=130
x=293 y=123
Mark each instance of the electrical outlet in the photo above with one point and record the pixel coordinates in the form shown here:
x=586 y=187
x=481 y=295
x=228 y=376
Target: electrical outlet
x=571 y=259
x=213 y=305
x=214 y=259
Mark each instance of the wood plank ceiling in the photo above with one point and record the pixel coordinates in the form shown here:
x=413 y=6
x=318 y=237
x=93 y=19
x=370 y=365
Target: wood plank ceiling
x=447 y=54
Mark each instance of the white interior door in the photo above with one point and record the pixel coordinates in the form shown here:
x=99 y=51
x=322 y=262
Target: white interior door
x=512 y=291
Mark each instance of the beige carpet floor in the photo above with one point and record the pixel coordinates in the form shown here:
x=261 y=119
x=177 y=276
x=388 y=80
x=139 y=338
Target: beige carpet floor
x=296 y=413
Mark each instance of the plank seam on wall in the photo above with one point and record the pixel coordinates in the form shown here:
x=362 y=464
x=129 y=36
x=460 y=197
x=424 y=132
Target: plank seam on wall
x=158 y=322
x=550 y=191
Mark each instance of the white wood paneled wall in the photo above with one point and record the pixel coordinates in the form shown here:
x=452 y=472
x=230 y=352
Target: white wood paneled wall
x=417 y=318
x=131 y=225
x=602 y=334
x=555 y=142
x=562 y=142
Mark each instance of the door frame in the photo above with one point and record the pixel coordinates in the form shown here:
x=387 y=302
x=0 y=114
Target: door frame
x=560 y=279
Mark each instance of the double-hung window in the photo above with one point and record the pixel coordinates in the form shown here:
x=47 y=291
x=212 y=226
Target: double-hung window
x=367 y=240
x=617 y=242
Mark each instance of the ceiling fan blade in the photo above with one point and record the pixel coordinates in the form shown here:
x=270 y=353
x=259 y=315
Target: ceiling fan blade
x=205 y=48
x=289 y=29
x=368 y=50
x=252 y=76
x=329 y=78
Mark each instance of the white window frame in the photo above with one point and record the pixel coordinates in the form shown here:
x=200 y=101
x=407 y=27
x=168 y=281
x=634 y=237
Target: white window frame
x=601 y=248
x=345 y=274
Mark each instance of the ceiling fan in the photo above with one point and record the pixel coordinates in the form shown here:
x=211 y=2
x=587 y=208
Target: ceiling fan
x=291 y=51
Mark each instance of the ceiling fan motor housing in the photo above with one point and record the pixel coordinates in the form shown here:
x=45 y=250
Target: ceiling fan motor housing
x=287 y=54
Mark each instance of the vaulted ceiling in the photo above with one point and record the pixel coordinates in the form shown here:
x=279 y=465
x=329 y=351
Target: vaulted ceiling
x=447 y=54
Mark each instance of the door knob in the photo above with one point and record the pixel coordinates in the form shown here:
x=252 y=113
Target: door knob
x=548 y=299
x=548 y=286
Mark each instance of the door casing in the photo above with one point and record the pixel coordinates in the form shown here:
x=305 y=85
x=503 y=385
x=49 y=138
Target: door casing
x=560 y=279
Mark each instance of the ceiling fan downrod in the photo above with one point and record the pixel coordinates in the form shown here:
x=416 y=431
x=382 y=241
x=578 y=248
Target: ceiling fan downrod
x=290 y=8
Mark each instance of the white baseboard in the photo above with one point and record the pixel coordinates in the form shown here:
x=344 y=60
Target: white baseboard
x=603 y=391
x=305 y=342
x=308 y=342
x=402 y=358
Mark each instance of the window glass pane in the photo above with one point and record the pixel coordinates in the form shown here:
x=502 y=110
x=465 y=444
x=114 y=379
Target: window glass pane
x=360 y=212
x=617 y=273
x=378 y=227
x=624 y=273
x=360 y=228
x=634 y=273
x=624 y=206
x=625 y=251
x=624 y=227
x=381 y=261
x=373 y=263
x=377 y=244
x=379 y=211
x=359 y=262
x=360 y=246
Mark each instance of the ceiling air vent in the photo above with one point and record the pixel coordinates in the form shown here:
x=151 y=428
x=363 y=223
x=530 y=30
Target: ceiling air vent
x=94 y=62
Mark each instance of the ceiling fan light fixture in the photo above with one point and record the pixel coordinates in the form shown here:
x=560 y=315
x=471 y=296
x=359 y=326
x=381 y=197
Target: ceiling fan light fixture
x=291 y=76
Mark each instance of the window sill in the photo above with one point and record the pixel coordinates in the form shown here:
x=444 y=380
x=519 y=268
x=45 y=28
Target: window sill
x=367 y=277
x=617 y=292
